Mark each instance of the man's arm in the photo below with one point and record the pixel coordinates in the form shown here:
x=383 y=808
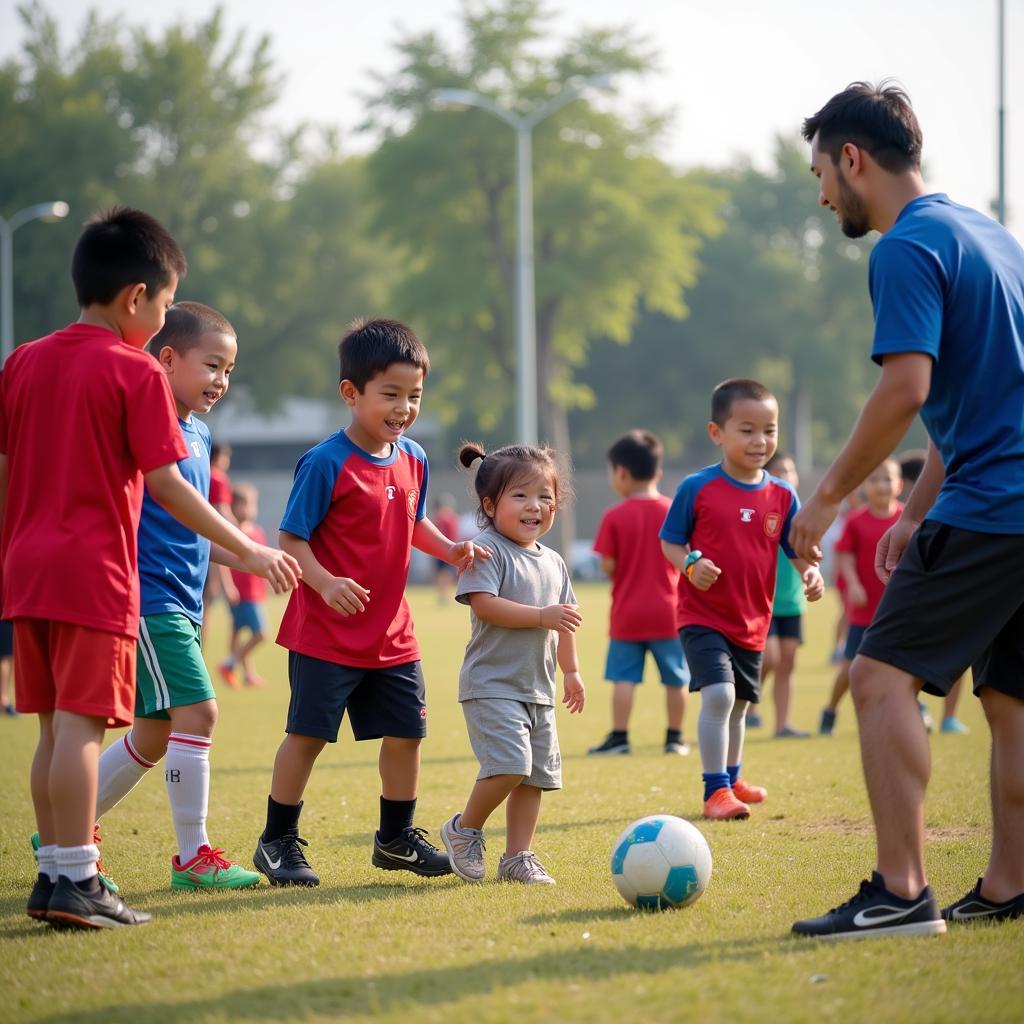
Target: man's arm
x=891 y=407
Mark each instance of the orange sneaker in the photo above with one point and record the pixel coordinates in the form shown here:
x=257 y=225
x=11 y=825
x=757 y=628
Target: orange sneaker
x=255 y=681
x=722 y=805
x=227 y=673
x=749 y=794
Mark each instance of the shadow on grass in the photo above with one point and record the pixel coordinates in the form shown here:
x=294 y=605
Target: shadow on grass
x=352 y=995
x=339 y=766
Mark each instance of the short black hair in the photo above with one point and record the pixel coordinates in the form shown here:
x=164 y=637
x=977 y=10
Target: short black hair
x=877 y=118
x=639 y=453
x=369 y=347
x=184 y=326
x=778 y=457
x=733 y=390
x=122 y=247
x=911 y=463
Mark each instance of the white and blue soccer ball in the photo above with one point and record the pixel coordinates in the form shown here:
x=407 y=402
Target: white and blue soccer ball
x=661 y=862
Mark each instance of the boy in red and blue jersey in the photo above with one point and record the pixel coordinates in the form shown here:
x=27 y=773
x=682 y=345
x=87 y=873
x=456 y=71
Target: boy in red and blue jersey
x=723 y=533
x=356 y=509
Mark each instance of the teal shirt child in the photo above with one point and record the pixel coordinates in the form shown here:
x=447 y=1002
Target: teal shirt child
x=789 y=590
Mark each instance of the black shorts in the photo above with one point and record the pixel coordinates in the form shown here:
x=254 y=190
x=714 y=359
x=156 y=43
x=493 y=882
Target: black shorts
x=389 y=701
x=787 y=627
x=6 y=638
x=713 y=659
x=956 y=600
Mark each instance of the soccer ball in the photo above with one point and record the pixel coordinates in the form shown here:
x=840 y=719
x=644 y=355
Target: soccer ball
x=661 y=862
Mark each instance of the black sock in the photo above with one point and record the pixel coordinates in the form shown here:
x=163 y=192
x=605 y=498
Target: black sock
x=395 y=817
x=673 y=735
x=282 y=820
x=90 y=885
x=619 y=736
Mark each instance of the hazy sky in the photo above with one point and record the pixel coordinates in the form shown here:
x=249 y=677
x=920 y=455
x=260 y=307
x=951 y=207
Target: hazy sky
x=736 y=73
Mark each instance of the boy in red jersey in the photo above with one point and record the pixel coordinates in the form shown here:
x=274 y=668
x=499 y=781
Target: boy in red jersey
x=723 y=533
x=108 y=421
x=356 y=508
x=855 y=562
x=644 y=585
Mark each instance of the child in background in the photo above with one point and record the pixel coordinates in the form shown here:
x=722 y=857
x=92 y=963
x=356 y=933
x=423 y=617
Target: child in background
x=855 y=560
x=644 y=587
x=723 y=532
x=524 y=618
x=247 y=612
x=218 y=580
x=6 y=667
x=447 y=521
x=785 y=633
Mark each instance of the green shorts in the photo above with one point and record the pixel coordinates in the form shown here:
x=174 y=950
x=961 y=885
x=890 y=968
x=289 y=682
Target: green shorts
x=171 y=672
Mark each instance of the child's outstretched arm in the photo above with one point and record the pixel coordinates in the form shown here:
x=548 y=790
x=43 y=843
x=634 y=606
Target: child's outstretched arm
x=573 y=691
x=499 y=611
x=814 y=582
x=702 y=573
x=341 y=593
x=426 y=537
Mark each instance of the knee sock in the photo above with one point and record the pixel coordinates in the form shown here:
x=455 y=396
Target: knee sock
x=46 y=858
x=716 y=704
x=187 y=773
x=395 y=817
x=737 y=732
x=121 y=770
x=77 y=862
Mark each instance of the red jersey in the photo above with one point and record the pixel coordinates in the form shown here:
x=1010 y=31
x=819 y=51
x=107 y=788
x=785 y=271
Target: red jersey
x=861 y=534
x=220 y=488
x=447 y=522
x=358 y=513
x=249 y=587
x=82 y=416
x=740 y=527
x=645 y=583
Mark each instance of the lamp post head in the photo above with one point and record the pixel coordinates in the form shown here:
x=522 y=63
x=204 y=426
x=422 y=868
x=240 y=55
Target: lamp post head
x=58 y=211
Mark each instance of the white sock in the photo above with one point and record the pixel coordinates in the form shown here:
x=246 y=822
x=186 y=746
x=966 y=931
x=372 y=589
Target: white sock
x=77 y=862
x=121 y=770
x=46 y=858
x=187 y=771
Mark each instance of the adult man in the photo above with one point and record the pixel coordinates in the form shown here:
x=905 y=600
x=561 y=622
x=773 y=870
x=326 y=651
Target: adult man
x=947 y=286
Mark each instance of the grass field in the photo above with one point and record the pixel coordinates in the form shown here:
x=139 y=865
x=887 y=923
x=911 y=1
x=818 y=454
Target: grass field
x=367 y=944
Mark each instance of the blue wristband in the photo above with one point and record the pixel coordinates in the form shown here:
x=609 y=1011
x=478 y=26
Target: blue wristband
x=692 y=559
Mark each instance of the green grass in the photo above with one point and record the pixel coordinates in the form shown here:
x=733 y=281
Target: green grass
x=372 y=945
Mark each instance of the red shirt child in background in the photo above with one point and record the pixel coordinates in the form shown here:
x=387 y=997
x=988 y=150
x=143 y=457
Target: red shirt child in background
x=855 y=563
x=644 y=591
x=446 y=520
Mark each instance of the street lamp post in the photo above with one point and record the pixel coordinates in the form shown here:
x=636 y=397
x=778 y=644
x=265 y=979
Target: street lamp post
x=45 y=211
x=526 y=314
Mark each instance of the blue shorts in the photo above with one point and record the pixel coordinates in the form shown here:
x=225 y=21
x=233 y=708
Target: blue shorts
x=386 y=701
x=6 y=638
x=787 y=627
x=625 y=662
x=248 y=615
x=714 y=659
x=854 y=635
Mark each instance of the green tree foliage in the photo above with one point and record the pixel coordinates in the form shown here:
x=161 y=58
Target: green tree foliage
x=615 y=228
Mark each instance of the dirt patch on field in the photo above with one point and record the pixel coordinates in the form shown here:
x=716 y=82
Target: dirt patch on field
x=864 y=827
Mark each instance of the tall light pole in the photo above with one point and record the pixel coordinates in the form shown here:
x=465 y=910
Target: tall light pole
x=41 y=211
x=1001 y=46
x=526 y=313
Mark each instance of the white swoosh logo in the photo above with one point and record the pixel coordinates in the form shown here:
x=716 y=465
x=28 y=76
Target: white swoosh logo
x=963 y=915
x=272 y=864
x=401 y=856
x=863 y=920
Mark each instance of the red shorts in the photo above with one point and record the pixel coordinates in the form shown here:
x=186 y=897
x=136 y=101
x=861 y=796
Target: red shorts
x=59 y=666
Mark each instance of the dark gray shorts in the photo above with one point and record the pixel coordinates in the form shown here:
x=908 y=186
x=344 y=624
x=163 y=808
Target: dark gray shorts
x=955 y=601
x=713 y=659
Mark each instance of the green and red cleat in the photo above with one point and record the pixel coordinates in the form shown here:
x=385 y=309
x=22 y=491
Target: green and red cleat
x=209 y=869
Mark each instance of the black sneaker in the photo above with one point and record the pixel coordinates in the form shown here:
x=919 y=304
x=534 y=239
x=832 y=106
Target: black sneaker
x=410 y=851
x=39 y=898
x=610 y=745
x=70 y=907
x=753 y=720
x=827 y=723
x=974 y=907
x=283 y=861
x=874 y=912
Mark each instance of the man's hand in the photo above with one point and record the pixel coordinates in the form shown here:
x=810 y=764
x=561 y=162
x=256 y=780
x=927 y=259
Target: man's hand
x=574 y=694
x=809 y=526
x=563 y=618
x=345 y=596
x=277 y=567
x=814 y=583
x=891 y=547
x=704 y=574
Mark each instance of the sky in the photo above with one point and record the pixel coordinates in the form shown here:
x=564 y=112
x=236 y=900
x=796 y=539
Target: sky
x=735 y=73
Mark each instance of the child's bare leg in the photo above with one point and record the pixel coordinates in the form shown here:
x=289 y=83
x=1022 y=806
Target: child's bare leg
x=486 y=796
x=675 y=706
x=6 y=690
x=292 y=766
x=73 y=772
x=522 y=812
x=40 y=780
x=244 y=650
x=622 y=705
x=840 y=686
x=149 y=737
x=949 y=705
x=399 y=765
x=782 y=691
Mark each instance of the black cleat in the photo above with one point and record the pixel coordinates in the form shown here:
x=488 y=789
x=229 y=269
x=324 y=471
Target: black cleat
x=70 y=907
x=876 y=912
x=611 y=745
x=39 y=898
x=410 y=851
x=974 y=907
x=283 y=861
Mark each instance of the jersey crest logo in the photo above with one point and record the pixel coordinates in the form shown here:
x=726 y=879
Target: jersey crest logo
x=772 y=524
x=391 y=493
x=412 y=499
x=196 y=450
x=746 y=515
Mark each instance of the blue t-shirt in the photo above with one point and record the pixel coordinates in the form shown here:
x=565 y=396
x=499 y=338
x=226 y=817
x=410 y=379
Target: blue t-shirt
x=948 y=281
x=173 y=560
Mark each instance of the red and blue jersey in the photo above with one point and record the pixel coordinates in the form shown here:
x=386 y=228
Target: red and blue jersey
x=358 y=513
x=740 y=527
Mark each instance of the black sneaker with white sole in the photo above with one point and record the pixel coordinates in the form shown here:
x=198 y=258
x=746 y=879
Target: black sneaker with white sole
x=875 y=912
x=39 y=898
x=410 y=851
x=72 y=907
x=283 y=861
x=974 y=907
x=610 y=745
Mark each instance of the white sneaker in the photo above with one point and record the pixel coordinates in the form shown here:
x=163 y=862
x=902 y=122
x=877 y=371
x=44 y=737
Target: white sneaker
x=523 y=867
x=465 y=848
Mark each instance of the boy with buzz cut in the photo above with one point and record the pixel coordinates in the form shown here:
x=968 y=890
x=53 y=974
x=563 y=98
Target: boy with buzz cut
x=107 y=424
x=644 y=585
x=723 y=533
x=355 y=511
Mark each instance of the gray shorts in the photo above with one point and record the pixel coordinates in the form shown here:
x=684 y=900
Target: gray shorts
x=513 y=738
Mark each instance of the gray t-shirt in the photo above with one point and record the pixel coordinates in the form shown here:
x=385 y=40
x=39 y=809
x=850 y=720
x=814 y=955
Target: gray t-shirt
x=515 y=663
